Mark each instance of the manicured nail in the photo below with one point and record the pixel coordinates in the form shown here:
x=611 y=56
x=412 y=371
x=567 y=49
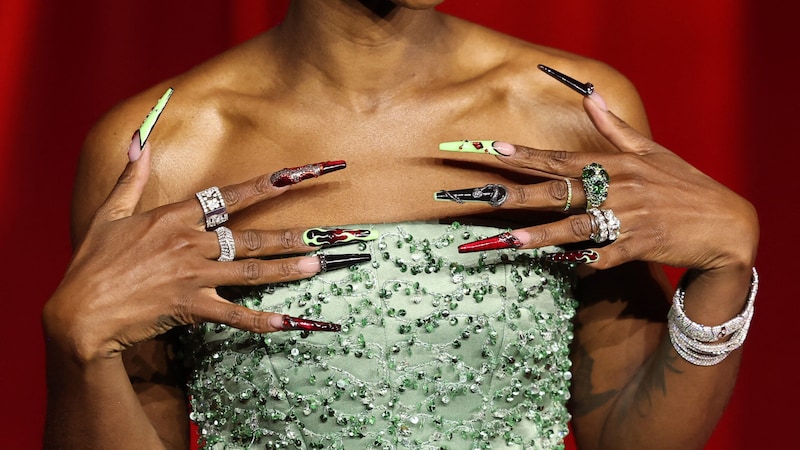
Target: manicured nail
x=595 y=97
x=501 y=241
x=135 y=149
x=467 y=146
x=319 y=237
x=290 y=323
x=328 y=263
x=152 y=117
x=504 y=148
x=581 y=88
x=575 y=256
x=294 y=175
x=493 y=194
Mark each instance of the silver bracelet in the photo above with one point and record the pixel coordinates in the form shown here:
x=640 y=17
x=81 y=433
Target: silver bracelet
x=696 y=343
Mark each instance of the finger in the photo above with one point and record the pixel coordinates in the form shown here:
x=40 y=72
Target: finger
x=553 y=195
x=218 y=310
x=239 y=196
x=256 y=243
x=254 y=272
x=616 y=130
x=127 y=192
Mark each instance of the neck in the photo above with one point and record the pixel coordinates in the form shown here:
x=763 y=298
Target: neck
x=359 y=47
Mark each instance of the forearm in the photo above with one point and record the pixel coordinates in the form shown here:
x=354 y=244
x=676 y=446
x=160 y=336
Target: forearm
x=93 y=405
x=673 y=403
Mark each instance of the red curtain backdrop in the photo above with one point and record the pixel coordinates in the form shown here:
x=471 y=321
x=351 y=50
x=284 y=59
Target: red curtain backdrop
x=717 y=78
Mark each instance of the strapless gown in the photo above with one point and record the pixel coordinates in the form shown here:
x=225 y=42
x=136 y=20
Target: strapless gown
x=438 y=350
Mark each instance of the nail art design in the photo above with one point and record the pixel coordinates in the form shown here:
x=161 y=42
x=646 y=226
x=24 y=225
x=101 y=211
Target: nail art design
x=296 y=323
x=501 y=241
x=576 y=256
x=467 y=146
x=294 y=175
x=328 y=263
x=493 y=194
x=319 y=237
x=581 y=88
x=152 y=117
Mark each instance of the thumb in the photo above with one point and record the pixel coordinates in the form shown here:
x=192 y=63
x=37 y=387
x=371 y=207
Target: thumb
x=614 y=129
x=125 y=195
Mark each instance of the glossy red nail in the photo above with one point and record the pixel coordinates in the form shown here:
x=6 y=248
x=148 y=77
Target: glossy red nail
x=294 y=175
x=501 y=241
x=576 y=256
x=296 y=323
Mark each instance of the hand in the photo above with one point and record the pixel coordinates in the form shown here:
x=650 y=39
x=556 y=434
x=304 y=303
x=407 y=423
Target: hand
x=135 y=276
x=669 y=212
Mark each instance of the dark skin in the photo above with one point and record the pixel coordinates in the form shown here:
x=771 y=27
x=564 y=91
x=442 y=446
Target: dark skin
x=334 y=81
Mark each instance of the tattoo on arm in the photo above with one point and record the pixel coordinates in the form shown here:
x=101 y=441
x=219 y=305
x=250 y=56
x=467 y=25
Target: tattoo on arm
x=583 y=400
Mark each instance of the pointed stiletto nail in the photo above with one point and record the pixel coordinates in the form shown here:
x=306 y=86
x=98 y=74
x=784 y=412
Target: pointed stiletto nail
x=152 y=117
x=294 y=175
x=327 y=237
x=501 y=241
x=575 y=256
x=493 y=194
x=581 y=88
x=296 y=323
x=467 y=146
x=328 y=263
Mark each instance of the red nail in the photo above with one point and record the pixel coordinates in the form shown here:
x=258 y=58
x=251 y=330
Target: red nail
x=294 y=175
x=577 y=256
x=503 y=240
x=296 y=323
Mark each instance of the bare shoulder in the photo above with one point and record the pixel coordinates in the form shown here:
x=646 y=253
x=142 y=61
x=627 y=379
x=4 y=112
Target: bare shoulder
x=511 y=64
x=195 y=113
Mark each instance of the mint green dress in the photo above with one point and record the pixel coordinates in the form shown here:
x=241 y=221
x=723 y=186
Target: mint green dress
x=438 y=350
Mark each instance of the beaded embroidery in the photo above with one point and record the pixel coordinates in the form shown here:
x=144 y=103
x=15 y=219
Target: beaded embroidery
x=438 y=350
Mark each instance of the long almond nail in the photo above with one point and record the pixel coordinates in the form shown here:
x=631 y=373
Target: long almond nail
x=327 y=237
x=467 y=146
x=501 y=241
x=294 y=175
x=297 y=323
x=152 y=117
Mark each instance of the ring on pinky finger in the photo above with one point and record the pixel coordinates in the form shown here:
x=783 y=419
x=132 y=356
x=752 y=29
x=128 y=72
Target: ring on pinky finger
x=227 y=246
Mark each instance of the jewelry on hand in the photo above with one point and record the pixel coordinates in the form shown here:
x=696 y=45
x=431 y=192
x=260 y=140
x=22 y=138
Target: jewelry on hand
x=696 y=343
x=604 y=224
x=568 y=205
x=227 y=246
x=595 y=185
x=214 y=208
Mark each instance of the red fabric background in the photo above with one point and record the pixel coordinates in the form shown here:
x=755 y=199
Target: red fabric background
x=717 y=78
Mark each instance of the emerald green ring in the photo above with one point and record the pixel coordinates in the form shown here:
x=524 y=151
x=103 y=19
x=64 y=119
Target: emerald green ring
x=595 y=185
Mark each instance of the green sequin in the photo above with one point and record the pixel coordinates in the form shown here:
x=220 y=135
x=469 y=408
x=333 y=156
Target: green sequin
x=437 y=350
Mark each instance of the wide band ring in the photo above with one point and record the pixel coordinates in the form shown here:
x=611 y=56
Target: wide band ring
x=595 y=185
x=227 y=246
x=604 y=224
x=214 y=209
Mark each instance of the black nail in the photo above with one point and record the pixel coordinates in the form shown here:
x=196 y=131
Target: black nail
x=328 y=263
x=493 y=194
x=581 y=88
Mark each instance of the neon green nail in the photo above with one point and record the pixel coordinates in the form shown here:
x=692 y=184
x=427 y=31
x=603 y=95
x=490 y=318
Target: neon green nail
x=467 y=146
x=152 y=117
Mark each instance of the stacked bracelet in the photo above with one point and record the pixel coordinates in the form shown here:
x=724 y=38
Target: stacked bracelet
x=696 y=343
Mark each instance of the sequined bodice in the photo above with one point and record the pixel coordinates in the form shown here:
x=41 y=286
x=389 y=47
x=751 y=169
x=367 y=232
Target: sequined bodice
x=438 y=350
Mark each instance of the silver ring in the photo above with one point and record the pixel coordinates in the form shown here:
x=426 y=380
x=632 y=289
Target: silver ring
x=604 y=224
x=595 y=185
x=227 y=246
x=214 y=209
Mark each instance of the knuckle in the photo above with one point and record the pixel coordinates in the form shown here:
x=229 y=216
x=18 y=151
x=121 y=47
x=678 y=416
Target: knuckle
x=251 y=240
x=290 y=240
x=252 y=272
x=233 y=316
x=520 y=194
x=557 y=190
x=262 y=184
x=558 y=159
x=580 y=226
x=231 y=195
